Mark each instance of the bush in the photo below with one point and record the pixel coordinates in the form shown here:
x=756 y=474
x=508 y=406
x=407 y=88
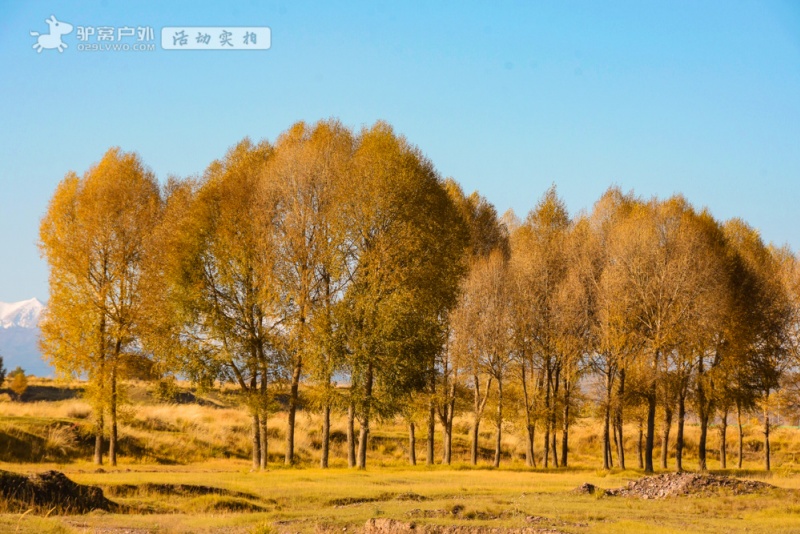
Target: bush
x=19 y=382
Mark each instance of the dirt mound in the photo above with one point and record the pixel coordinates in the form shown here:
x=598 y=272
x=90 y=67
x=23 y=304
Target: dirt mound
x=391 y=526
x=50 y=492
x=680 y=484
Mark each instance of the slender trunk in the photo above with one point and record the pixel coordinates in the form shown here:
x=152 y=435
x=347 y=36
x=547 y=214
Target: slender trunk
x=256 y=442
x=766 y=434
x=741 y=432
x=618 y=420
x=431 y=433
x=498 y=441
x=565 y=434
x=607 y=423
x=293 y=402
x=546 y=460
x=363 y=437
x=447 y=442
x=553 y=410
x=703 y=410
x=701 y=448
x=530 y=460
x=639 y=447
x=606 y=437
x=263 y=439
x=412 y=444
x=262 y=422
x=547 y=427
x=351 y=435
x=665 y=435
x=723 y=440
x=679 y=437
x=326 y=435
x=98 y=439
x=530 y=456
x=112 y=442
x=99 y=408
x=651 y=430
x=480 y=404
x=448 y=425
x=473 y=450
x=618 y=440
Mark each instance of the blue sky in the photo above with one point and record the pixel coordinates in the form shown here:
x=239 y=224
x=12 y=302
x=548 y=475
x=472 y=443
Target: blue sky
x=701 y=98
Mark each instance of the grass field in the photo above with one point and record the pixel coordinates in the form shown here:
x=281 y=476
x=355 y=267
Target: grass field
x=185 y=468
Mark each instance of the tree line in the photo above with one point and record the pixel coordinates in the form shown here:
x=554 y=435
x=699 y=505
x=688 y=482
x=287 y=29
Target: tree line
x=341 y=260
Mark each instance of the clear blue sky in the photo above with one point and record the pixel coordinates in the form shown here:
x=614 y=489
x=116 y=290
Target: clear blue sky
x=701 y=98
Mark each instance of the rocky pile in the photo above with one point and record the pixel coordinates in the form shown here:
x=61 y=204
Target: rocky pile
x=680 y=484
x=50 y=492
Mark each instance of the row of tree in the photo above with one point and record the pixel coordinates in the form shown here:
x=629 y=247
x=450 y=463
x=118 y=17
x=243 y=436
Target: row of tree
x=339 y=256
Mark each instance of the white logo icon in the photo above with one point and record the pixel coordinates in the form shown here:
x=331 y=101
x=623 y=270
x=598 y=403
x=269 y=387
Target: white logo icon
x=52 y=39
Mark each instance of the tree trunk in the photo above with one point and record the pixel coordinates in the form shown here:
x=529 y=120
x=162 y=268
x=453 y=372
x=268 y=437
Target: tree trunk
x=723 y=440
x=98 y=439
x=363 y=437
x=553 y=416
x=546 y=460
x=766 y=434
x=665 y=436
x=412 y=444
x=701 y=453
x=618 y=420
x=351 y=435
x=262 y=422
x=263 y=439
x=99 y=408
x=703 y=410
x=651 y=430
x=498 y=442
x=293 y=402
x=679 y=437
x=530 y=456
x=741 y=432
x=431 y=433
x=565 y=434
x=547 y=424
x=607 y=437
x=256 y=442
x=639 y=447
x=326 y=435
x=450 y=413
x=112 y=442
x=473 y=449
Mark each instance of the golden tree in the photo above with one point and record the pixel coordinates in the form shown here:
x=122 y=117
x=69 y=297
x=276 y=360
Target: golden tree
x=94 y=237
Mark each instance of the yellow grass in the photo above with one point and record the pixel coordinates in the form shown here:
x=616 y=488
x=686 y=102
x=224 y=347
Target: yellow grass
x=209 y=445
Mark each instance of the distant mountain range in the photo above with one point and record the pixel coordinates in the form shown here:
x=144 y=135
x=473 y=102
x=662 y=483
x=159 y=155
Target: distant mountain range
x=19 y=337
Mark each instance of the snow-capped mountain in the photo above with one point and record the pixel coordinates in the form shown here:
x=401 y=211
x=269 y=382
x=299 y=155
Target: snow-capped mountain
x=19 y=336
x=23 y=314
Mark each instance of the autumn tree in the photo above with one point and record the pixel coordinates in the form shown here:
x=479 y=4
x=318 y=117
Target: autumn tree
x=404 y=249
x=222 y=318
x=309 y=176
x=486 y=235
x=94 y=237
x=538 y=255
